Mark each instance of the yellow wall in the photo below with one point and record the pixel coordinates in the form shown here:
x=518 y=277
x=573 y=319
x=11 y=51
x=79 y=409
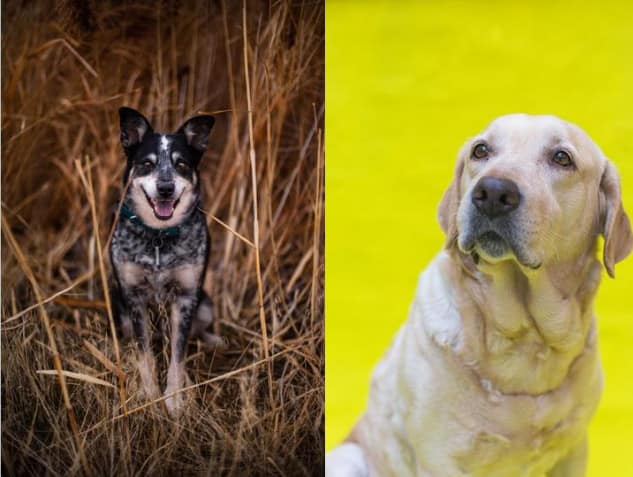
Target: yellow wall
x=406 y=84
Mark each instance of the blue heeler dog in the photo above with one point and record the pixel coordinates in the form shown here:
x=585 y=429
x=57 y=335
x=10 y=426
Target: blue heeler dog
x=160 y=246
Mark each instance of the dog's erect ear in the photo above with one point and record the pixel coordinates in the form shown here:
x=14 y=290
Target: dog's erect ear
x=616 y=228
x=134 y=127
x=197 y=130
x=447 y=211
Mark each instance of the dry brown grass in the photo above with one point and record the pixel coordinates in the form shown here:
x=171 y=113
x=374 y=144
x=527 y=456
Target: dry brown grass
x=67 y=67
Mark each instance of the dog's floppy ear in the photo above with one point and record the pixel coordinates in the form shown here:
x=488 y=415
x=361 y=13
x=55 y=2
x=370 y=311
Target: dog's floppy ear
x=447 y=211
x=616 y=228
x=134 y=127
x=197 y=130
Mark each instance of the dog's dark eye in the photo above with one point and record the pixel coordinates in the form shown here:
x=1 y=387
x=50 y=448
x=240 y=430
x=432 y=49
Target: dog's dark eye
x=148 y=164
x=480 y=151
x=182 y=166
x=562 y=158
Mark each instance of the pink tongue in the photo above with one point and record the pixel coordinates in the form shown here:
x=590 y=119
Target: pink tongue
x=164 y=208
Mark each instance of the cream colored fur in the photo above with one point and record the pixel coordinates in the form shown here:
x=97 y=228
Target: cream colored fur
x=496 y=372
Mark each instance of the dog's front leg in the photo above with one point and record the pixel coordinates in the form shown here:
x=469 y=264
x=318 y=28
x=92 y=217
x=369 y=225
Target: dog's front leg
x=182 y=312
x=346 y=460
x=146 y=362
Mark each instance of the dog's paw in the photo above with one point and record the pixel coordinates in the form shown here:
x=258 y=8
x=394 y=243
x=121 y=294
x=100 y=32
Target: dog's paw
x=149 y=391
x=175 y=404
x=142 y=390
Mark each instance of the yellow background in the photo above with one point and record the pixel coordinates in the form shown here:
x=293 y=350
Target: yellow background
x=406 y=84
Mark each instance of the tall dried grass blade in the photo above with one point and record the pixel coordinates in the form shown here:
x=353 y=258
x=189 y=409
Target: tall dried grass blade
x=317 y=229
x=103 y=359
x=79 y=376
x=68 y=46
x=260 y=292
x=228 y=227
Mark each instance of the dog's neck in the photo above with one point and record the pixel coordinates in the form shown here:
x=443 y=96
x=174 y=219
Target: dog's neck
x=529 y=326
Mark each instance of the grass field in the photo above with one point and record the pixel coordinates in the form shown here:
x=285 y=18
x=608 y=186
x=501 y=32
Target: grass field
x=405 y=87
x=256 y=407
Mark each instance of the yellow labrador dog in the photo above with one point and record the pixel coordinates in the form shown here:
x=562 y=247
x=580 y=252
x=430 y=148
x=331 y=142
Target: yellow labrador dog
x=496 y=372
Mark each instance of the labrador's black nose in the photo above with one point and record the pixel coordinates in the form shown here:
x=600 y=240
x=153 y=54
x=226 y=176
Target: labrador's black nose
x=494 y=197
x=165 y=189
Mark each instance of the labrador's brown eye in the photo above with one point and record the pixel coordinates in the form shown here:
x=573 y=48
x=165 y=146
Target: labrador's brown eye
x=563 y=159
x=480 y=151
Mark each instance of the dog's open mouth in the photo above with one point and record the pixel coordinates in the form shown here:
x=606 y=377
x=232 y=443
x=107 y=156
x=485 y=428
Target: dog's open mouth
x=163 y=208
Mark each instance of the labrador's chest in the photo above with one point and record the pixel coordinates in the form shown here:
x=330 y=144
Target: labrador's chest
x=436 y=417
x=526 y=439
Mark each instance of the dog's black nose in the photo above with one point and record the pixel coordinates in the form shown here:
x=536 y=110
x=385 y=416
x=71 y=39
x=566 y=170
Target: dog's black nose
x=165 y=189
x=494 y=197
